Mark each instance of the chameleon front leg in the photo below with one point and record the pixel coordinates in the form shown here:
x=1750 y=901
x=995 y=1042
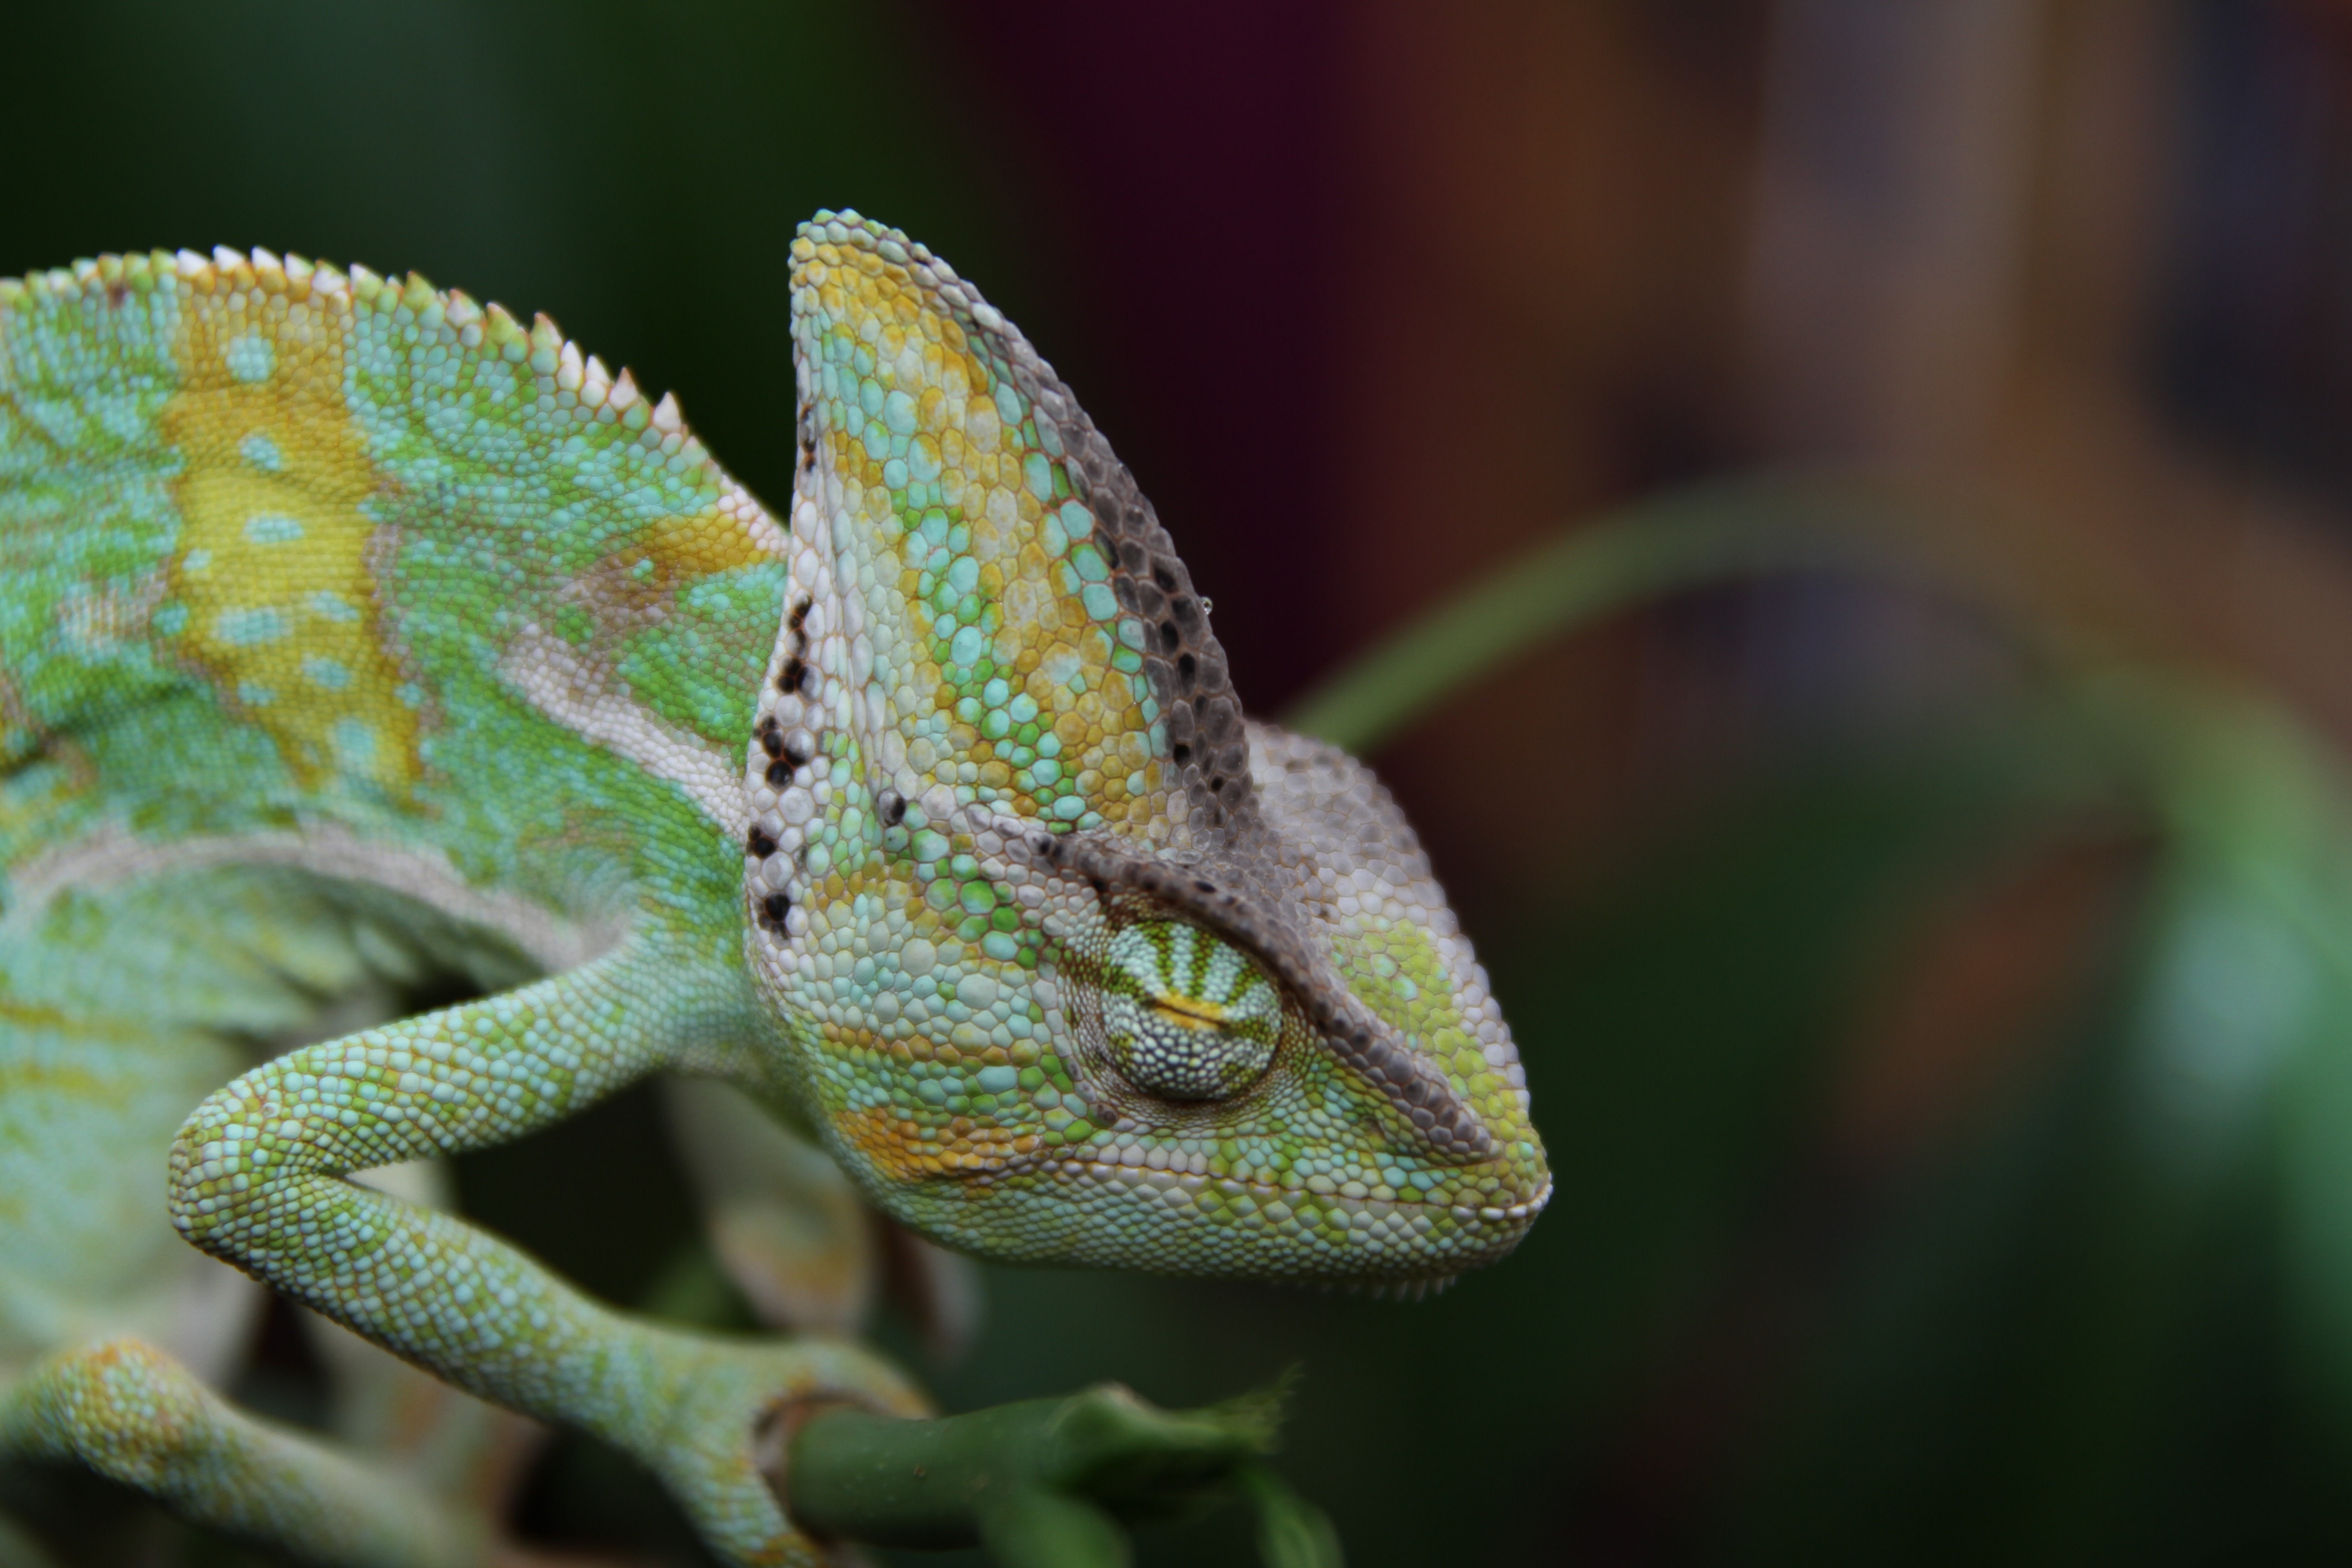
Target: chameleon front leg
x=256 y=1177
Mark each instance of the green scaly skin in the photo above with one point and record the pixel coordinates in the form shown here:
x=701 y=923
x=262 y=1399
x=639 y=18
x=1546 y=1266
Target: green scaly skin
x=350 y=630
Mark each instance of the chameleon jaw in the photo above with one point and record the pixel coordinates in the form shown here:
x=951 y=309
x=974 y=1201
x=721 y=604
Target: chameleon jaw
x=1164 y=1219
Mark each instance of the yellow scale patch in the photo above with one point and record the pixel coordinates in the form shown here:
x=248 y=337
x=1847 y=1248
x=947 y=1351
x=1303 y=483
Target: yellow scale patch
x=1392 y=967
x=897 y=1148
x=273 y=566
x=706 y=544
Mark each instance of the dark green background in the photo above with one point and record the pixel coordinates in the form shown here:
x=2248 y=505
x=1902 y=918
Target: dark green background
x=1719 y=1344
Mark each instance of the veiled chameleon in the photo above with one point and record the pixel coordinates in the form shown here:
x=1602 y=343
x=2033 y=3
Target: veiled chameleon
x=350 y=630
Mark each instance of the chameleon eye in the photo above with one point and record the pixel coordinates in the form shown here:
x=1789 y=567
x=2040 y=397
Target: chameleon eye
x=1187 y=1017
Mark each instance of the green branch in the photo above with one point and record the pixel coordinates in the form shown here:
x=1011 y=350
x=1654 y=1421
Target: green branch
x=1593 y=570
x=1046 y=1483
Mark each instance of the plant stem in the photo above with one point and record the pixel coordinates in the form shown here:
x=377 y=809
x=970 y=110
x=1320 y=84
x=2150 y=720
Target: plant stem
x=1042 y=1482
x=1592 y=569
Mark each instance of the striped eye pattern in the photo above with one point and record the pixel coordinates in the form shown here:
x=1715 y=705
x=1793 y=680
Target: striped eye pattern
x=1186 y=1015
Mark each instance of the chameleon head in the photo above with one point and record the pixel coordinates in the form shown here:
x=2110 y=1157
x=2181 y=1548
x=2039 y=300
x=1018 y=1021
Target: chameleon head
x=1074 y=963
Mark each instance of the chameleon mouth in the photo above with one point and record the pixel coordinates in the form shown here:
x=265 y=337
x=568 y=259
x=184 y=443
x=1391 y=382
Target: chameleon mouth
x=1524 y=1210
x=1154 y=1210
x=1398 y=1248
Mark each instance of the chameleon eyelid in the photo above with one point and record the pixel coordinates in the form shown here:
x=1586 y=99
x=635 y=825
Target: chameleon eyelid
x=1190 y=1010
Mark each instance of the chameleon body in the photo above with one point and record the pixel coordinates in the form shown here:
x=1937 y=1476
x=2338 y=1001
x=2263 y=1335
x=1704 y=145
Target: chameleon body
x=351 y=629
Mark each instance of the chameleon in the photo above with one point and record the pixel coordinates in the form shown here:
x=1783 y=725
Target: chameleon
x=351 y=629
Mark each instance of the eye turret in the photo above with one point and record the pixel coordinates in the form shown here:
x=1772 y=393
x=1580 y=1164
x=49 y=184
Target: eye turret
x=1185 y=1015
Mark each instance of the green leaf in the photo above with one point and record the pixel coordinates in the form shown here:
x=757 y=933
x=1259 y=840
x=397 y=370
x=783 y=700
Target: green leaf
x=1291 y=1531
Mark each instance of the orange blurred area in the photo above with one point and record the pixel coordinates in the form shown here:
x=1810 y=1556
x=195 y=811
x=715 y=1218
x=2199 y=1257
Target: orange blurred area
x=1934 y=986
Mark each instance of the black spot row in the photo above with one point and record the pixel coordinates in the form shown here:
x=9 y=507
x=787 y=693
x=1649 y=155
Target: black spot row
x=795 y=675
x=785 y=758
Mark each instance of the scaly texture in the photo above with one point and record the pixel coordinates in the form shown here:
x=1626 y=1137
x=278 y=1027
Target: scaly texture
x=350 y=630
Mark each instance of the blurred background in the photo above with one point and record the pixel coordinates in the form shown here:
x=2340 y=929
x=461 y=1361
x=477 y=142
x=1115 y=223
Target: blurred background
x=1935 y=983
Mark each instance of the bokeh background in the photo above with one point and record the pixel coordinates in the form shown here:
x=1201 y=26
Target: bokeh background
x=1942 y=1057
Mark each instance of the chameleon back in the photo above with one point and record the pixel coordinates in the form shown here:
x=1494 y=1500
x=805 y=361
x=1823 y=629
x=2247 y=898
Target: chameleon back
x=316 y=598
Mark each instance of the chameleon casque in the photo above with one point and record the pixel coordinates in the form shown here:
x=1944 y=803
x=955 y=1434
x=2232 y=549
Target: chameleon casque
x=351 y=629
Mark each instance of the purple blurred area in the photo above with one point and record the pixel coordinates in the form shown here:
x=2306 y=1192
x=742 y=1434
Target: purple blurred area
x=1373 y=296
x=1832 y=1017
